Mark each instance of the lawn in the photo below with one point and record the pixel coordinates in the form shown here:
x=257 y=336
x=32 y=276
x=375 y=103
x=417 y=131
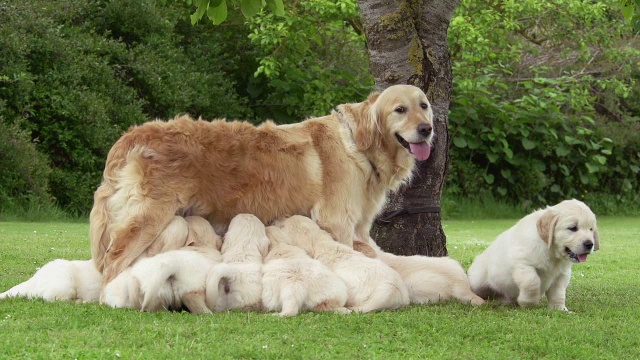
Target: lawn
x=603 y=296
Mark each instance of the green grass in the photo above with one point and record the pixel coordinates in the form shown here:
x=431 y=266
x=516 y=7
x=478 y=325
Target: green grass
x=603 y=296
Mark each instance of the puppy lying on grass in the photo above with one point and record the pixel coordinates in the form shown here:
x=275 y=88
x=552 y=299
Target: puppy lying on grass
x=534 y=257
x=371 y=284
x=237 y=282
x=292 y=281
x=61 y=280
x=171 y=279
x=428 y=279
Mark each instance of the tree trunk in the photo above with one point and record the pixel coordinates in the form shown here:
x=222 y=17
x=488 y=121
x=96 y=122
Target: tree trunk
x=407 y=43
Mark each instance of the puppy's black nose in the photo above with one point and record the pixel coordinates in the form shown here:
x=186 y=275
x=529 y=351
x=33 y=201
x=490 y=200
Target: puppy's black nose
x=588 y=244
x=424 y=129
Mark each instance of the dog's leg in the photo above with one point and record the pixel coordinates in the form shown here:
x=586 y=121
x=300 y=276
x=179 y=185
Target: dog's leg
x=195 y=302
x=528 y=283
x=556 y=295
x=130 y=240
x=292 y=297
x=336 y=222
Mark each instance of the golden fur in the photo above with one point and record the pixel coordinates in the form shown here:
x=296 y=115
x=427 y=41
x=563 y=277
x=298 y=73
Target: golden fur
x=337 y=169
x=534 y=257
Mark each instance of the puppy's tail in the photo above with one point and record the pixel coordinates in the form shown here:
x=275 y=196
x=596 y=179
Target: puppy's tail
x=219 y=281
x=158 y=274
x=21 y=289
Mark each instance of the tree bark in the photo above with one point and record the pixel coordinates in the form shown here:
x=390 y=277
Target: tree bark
x=407 y=42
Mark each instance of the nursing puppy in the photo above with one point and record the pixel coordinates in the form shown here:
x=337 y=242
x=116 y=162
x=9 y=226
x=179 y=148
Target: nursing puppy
x=237 y=282
x=534 y=257
x=61 y=280
x=173 y=278
x=292 y=281
x=371 y=284
x=428 y=279
x=337 y=169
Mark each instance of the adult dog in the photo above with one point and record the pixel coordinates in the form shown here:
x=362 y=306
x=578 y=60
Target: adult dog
x=534 y=257
x=338 y=169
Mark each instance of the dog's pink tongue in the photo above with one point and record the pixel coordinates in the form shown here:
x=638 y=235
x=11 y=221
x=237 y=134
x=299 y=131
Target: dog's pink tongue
x=582 y=257
x=420 y=150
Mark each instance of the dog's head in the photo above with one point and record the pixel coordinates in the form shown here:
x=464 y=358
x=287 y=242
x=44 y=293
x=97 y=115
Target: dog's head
x=570 y=230
x=400 y=117
x=302 y=231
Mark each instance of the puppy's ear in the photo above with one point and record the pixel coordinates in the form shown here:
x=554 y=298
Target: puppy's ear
x=596 y=240
x=547 y=225
x=366 y=121
x=364 y=248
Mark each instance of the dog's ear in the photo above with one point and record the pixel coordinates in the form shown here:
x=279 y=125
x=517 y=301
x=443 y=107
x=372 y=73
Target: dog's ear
x=364 y=248
x=596 y=240
x=366 y=120
x=546 y=226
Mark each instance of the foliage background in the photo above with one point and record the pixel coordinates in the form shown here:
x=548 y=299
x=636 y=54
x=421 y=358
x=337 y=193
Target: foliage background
x=546 y=94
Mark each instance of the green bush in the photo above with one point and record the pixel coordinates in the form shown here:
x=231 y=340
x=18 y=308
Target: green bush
x=24 y=172
x=538 y=96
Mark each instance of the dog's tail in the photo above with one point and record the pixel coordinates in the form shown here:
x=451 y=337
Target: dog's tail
x=98 y=222
x=219 y=282
x=155 y=288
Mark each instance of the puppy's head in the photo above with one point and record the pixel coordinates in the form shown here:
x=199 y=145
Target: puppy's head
x=246 y=232
x=570 y=230
x=401 y=117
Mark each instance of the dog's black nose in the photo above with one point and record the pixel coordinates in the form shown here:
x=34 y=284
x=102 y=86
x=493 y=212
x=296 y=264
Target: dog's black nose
x=588 y=244
x=424 y=129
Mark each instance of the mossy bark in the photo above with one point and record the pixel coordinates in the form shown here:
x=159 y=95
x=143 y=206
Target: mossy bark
x=407 y=43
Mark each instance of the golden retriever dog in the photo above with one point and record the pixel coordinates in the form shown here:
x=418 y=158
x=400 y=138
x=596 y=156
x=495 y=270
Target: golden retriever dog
x=61 y=280
x=534 y=257
x=428 y=279
x=292 y=281
x=237 y=282
x=371 y=284
x=175 y=277
x=337 y=169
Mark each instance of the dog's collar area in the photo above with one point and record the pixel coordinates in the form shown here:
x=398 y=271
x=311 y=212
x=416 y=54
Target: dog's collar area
x=387 y=218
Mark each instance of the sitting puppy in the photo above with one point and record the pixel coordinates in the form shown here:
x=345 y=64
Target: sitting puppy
x=534 y=257
x=172 y=278
x=61 y=280
x=428 y=279
x=371 y=284
x=237 y=282
x=292 y=281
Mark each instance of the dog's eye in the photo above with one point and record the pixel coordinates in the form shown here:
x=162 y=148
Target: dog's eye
x=424 y=106
x=400 y=109
x=574 y=228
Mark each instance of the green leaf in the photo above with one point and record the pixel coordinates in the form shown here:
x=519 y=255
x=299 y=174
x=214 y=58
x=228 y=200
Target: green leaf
x=506 y=173
x=555 y=188
x=250 y=7
x=562 y=151
x=592 y=168
x=528 y=144
x=502 y=191
x=200 y=10
x=634 y=168
x=218 y=14
x=276 y=6
x=489 y=178
x=601 y=159
x=493 y=157
x=460 y=142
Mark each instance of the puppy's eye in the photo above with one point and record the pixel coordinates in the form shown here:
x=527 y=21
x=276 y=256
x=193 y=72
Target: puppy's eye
x=574 y=228
x=424 y=106
x=400 y=109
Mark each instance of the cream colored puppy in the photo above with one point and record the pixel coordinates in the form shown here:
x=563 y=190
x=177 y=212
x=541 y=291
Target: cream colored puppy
x=371 y=284
x=534 y=257
x=171 y=278
x=237 y=282
x=61 y=280
x=292 y=281
x=428 y=279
